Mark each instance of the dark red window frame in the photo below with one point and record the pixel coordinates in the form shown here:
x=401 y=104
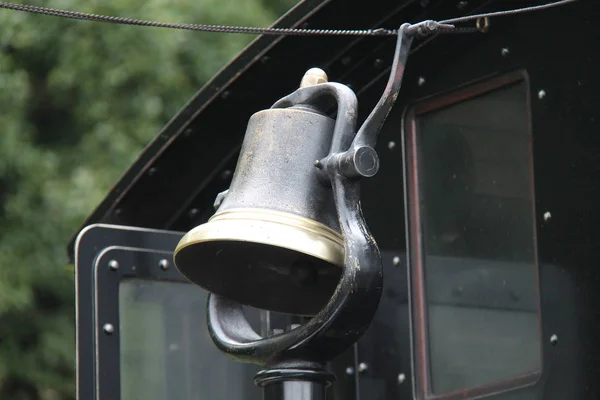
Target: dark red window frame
x=420 y=335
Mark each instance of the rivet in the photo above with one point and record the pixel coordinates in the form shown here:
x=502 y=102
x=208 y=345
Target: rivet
x=225 y=175
x=225 y=94
x=349 y=371
x=193 y=212
x=164 y=264
x=391 y=145
x=424 y=3
x=362 y=367
x=113 y=264
x=378 y=63
x=396 y=260
x=462 y=5
x=504 y=52
x=514 y=295
x=265 y=59
x=547 y=216
x=421 y=81
x=401 y=378
x=318 y=164
x=187 y=132
x=152 y=171
x=554 y=340
x=541 y=94
x=346 y=60
x=458 y=291
x=108 y=328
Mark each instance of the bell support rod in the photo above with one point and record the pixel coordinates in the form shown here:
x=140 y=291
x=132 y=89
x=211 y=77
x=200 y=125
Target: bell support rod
x=354 y=154
x=300 y=354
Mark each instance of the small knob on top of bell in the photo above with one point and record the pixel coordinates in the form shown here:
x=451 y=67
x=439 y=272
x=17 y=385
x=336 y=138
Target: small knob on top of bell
x=313 y=77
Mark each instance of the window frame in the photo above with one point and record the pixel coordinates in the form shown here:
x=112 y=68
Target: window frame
x=420 y=338
x=133 y=263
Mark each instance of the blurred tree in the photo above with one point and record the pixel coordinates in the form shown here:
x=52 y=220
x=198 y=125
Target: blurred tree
x=79 y=101
x=279 y=7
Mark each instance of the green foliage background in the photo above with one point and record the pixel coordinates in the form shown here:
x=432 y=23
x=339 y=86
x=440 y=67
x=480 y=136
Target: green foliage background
x=78 y=102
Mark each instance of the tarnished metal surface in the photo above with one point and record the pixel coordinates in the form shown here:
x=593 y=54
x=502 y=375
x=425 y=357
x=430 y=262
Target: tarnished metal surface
x=276 y=166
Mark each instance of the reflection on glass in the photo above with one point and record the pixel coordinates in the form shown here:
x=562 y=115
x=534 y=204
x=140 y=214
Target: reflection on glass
x=165 y=348
x=478 y=226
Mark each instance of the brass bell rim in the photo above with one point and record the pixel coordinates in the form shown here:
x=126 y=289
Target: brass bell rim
x=269 y=227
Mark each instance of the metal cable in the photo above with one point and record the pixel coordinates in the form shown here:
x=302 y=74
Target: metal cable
x=507 y=12
x=267 y=31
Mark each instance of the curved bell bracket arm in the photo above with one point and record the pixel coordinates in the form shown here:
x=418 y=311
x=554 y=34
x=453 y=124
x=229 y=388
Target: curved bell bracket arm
x=337 y=326
x=353 y=304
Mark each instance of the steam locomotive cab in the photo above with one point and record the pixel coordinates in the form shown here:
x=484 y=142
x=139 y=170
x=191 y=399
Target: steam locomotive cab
x=485 y=211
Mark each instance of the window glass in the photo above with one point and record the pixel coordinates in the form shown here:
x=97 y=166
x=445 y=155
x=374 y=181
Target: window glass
x=478 y=238
x=165 y=348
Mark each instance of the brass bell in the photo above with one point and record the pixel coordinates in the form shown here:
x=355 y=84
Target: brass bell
x=274 y=242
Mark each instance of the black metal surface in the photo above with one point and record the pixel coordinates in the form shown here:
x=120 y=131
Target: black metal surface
x=295 y=390
x=563 y=148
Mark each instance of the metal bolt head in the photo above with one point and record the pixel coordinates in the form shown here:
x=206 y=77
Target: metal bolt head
x=164 y=264
x=396 y=260
x=349 y=371
x=346 y=61
x=108 y=329
x=362 y=367
x=547 y=216
x=226 y=175
x=504 y=52
x=391 y=145
x=113 y=265
x=554 y=340
x=462 y=5
x=457 y=291
x=541 y=94
x=401 y=378
x=421 y=81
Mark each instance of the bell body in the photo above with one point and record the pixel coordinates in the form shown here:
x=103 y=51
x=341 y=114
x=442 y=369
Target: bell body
x=274 y=242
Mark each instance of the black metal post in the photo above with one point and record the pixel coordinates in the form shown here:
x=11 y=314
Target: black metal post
x=295 y=390
x=295 y=383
